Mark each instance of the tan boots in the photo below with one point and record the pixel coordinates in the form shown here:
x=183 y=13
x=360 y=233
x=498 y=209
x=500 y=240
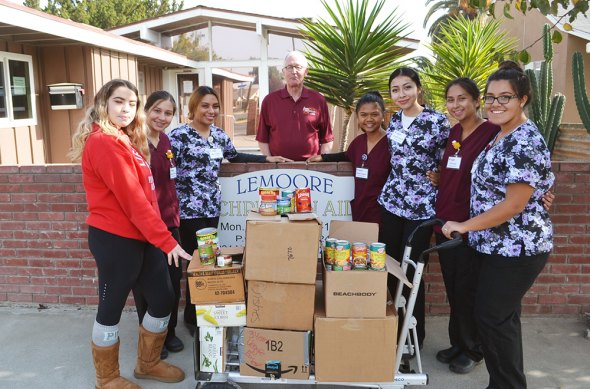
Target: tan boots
x=149 y=365
x=106 y=363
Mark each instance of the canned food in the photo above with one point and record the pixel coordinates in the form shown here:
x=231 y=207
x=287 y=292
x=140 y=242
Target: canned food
x=342 y=254
x=289 y=194
x=360 y=255
x=206 y=254
x=268 y=194
x=329 y=251
x=224 y=261
x=268 y=208
x=209 y=236
x=283 y=206
x=377 y=253
x=303 y=200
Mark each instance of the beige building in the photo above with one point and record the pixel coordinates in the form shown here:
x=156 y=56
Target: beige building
x=50 y=69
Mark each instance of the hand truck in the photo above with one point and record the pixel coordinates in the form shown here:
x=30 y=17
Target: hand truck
x=407 y=351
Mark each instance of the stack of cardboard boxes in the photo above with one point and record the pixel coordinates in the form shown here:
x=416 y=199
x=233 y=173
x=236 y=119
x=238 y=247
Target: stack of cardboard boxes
x=219 y=298
x=355 y=322
x=280 y=270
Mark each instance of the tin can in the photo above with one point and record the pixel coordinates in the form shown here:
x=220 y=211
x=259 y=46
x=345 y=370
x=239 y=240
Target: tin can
x=206 y=254
x=209 y=236
x=377 y=253
x=224 y=260
x=283 y=206
x=289 y=194
x=268 y=208
x=268 y=194
x=360 y=256
x=342 y=254
x=303 y=200
x=329 y=250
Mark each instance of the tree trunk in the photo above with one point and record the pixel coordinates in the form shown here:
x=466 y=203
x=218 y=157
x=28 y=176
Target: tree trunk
x=345 y=130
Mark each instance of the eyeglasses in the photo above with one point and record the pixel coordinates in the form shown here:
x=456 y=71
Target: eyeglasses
x=290 y=68
x=504 y=99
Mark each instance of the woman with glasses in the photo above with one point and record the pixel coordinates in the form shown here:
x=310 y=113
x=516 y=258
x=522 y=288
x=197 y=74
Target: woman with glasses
x=370 y=156
x=509 y=227
x=199 y=147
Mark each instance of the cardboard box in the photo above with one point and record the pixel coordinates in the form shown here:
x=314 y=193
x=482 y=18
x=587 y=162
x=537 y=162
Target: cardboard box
x=280 y=306
x=221 y=315
x=212 y=348
x=355 y=350
x=282 y=249
x=215 y=285
x=358 y=293
x=291 y=348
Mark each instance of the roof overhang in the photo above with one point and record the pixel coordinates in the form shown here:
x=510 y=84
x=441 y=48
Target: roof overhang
x=159 y=29
x=23 y=25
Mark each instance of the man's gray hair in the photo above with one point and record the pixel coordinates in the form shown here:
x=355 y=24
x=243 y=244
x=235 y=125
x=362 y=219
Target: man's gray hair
x=297 y=55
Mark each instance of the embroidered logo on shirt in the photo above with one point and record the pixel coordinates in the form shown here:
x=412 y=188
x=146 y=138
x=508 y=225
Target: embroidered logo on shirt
x=309 y=111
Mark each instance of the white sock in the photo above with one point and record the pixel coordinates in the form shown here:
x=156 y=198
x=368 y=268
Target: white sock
x=104 y=336
x=154 y=324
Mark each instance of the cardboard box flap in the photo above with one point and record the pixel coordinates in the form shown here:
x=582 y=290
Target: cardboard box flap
x=394 y=268
x=303 y=216
x=232 y=250
x=255 y=216
x=354 y=231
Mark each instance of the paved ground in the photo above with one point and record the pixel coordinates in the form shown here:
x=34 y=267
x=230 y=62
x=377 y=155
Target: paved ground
x=50 y=348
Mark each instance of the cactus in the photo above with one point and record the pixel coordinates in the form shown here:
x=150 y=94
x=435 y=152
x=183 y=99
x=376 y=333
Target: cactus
x=580 y=90
x=547 y=110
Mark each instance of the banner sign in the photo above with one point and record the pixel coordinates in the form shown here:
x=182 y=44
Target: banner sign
x=330 y=196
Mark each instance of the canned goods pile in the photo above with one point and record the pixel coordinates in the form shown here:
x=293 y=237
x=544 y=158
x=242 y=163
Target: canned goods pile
x=275 y=201
x=340 y=255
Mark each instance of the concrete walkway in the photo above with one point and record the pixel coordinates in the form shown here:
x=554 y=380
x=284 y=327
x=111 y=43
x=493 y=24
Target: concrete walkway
x=50 y=348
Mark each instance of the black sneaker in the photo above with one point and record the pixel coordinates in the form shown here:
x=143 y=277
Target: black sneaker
x=163 y=353
x=462 y=364
x=447 y=355
x=173 y=344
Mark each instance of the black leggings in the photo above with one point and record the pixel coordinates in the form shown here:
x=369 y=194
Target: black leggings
x=123 y=263
x=175 y=273
x=188 y=241
x=395 y=233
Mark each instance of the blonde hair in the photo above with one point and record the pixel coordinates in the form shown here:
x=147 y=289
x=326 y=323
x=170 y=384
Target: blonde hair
x=98 y=113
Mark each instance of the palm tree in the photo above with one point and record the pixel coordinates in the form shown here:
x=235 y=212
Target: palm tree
x=352 y=54
x=467 y=48
x=453 y=8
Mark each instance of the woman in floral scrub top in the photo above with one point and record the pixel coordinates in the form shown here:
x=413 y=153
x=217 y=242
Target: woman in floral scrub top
x=417 y=137
x=509 y=227
x=199 y=147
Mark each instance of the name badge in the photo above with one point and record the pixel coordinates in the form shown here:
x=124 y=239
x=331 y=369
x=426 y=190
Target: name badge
x=398 y=136
x=454 y=162
x=215 y=153
x=362 y=172
x=173 y=173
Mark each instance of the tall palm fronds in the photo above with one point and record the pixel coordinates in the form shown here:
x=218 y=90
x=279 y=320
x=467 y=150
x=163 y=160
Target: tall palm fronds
x=452 y=8
x=467 y=48
x=352 y=53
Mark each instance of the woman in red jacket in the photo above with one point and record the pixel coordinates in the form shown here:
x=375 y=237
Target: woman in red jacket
x=125 y=233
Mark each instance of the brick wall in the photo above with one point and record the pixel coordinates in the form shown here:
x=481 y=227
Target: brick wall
x=44 y=257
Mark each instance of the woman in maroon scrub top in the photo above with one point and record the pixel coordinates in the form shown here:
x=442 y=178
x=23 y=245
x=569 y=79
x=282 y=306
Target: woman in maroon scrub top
x=459 y=268
x=370 y=156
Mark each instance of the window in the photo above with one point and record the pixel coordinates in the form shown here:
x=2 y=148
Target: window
x=17 y=90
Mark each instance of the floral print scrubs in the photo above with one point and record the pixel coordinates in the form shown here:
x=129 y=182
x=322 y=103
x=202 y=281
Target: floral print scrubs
x=520 y=157
x=197 y=169
x=408 y=193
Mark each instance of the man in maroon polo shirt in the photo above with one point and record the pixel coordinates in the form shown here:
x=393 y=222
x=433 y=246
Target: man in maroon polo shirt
x=294 y=121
